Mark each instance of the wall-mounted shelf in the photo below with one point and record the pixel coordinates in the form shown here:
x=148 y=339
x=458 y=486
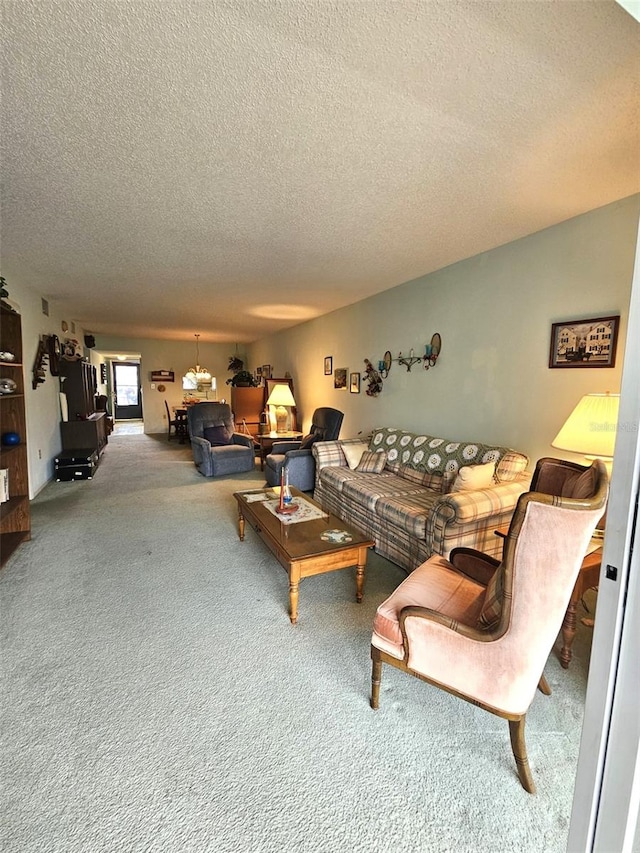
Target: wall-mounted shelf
x=162 y=376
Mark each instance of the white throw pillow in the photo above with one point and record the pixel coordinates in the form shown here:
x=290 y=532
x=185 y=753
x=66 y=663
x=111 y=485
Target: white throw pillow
x=353 y=453
x=472 y=477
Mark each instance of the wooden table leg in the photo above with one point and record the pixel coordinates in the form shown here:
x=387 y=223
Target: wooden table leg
x=362 y=561
x=587 y=579
x=568 y=633
x=294 y=586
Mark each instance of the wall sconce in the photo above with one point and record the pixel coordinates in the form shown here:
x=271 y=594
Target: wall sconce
x=384 y=366
x=409 y=360
x=432 y=351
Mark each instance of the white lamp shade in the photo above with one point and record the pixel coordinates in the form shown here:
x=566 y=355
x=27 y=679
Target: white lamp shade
x=281 y=396
x=591 y=427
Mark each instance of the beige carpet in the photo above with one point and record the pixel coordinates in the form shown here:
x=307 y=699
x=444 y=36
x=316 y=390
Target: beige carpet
x=156 y=698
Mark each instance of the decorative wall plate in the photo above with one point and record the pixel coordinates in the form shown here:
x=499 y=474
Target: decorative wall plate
x=64 y=326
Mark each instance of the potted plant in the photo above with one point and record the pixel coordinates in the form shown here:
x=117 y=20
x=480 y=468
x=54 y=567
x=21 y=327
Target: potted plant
x=243 y=379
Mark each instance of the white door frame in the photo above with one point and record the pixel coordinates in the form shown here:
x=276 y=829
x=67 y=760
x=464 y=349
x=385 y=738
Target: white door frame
x=606 y=798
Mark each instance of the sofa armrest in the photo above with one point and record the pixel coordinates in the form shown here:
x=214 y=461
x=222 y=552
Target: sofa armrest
x=473 y=509
x=328 y=454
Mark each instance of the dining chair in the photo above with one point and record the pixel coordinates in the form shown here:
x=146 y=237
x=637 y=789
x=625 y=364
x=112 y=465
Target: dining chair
x=178 y=424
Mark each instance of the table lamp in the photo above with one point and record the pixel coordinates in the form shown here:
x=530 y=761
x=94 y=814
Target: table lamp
x=591 y=429
x=280 y=397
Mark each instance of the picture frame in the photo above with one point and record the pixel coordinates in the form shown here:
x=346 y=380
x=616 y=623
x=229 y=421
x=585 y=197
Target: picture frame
x=328 y=365
x=584 y=343
x=266 y=371
x=354 y=383
x=340 y=378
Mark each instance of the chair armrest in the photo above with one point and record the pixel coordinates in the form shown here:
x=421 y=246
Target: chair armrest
x=301 y=469
x=297 y=454
x=284 y=446
x=201 y=442
x=474 y=564
x=241 y=438
x=415 y=612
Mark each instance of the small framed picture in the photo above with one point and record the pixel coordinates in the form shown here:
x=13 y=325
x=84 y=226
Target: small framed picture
x=266 y=371
x=584 y=343
x=354 y=383
x=340 y=378
x=328 y=365
x=258 y=371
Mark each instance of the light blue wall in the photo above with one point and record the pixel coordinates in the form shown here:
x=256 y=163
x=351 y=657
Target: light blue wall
x=494 y=312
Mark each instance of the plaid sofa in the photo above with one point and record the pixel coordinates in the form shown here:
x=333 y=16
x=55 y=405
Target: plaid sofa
x=408 y=509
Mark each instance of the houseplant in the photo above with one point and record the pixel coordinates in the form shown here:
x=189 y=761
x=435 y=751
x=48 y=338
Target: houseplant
x=243 y=378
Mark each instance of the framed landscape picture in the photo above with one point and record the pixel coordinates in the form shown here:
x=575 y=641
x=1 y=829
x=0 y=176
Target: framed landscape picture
x=328 y=365
x=354 y=383
x=584 y=343
x=340 y=378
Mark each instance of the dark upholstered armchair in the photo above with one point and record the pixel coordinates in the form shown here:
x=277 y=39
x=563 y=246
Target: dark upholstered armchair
x=296 y=456
x=217 y=448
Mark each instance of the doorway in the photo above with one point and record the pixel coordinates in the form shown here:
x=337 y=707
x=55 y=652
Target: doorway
x=126 y=390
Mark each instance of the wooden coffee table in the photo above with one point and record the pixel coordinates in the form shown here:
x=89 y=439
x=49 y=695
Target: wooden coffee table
x=298 y=545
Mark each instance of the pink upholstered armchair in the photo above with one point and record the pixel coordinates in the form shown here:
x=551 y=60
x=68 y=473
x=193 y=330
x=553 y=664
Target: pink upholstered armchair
x=482 y=629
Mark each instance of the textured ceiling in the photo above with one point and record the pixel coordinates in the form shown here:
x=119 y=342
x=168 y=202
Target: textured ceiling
x=232 y=167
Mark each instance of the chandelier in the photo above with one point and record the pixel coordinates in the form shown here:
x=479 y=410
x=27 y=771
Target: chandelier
x=199 y=377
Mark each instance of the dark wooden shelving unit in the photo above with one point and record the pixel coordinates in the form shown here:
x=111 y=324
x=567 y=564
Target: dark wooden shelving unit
x=15 y=514
x=85 y=427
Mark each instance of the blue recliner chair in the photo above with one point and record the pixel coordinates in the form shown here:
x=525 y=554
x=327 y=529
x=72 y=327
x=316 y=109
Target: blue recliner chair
x=217 y=448
x=296 y=456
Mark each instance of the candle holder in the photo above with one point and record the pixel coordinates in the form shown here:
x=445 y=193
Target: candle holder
x=409 y=360
x=285 y=506
x=432 y=351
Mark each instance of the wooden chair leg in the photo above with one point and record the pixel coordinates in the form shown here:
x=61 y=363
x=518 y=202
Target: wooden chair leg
x=543 y=686
x=376 y=677
x=519 y=747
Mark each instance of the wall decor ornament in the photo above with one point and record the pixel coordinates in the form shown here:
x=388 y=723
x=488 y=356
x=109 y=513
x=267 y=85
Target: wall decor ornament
x=373 y=378
x=42 y=354
x=328 y=365
x=584 y=343
x=354 y=383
